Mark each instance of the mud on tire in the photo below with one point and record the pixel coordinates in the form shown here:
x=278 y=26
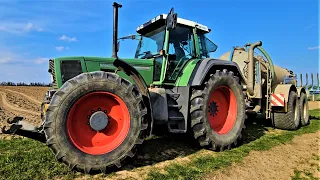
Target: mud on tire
x=291 y=119
x=57 y=128
x=222 y=94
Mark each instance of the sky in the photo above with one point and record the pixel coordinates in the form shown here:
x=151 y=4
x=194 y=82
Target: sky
x=33 y=31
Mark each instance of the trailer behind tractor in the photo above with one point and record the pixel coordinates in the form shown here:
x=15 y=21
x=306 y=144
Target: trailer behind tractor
x=99 y=110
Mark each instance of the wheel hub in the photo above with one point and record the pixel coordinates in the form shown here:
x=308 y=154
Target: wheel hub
x=98 y=121
x=213 y=108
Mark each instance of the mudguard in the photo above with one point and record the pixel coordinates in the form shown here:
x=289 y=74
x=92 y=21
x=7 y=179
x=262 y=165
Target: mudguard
x=301 y=90
x=203 y=67
x=284 y=89
x=141 y=85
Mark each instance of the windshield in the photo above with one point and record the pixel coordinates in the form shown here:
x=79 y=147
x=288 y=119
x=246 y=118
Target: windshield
x=150 y=44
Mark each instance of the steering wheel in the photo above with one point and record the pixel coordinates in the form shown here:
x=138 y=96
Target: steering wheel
x=146 y=54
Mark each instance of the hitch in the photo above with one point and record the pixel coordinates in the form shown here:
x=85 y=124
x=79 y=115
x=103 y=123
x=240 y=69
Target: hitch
x=23 y=128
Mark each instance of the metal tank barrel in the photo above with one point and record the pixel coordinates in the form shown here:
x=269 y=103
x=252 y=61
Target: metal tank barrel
x=242 y=57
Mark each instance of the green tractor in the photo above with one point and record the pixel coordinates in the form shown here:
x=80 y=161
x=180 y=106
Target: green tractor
x=99 y=110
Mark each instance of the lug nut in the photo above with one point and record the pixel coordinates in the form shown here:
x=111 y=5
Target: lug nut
x=99 y=109
x=92 y=111
x=105 y=111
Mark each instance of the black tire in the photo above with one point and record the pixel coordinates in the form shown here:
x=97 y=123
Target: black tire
x=291 y=119
x=201 y=129
x=304 y=110
x=56 y=117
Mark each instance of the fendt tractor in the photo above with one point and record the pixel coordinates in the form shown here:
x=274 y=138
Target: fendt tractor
x=99 y=110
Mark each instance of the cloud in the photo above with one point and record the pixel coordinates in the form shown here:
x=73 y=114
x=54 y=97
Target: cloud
x=30 y=27
x=62 y=48
x=67 y=38
x=314 y=48
x=41 y=60
x=19 y=27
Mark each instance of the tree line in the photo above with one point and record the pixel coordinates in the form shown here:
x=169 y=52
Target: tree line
x=24 y=84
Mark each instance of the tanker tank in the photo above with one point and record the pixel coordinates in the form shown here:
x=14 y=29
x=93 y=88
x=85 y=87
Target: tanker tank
x=241 y=57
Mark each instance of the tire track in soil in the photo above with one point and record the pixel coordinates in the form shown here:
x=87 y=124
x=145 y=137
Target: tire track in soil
x=13 y=108
x=24 y=95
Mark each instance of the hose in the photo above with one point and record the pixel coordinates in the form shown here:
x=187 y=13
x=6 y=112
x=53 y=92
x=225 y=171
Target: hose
x=270 y=62
x=231 y=54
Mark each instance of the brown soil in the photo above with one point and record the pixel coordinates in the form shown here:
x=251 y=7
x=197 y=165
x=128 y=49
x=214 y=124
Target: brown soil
x=314 y=105
x=276 y=163
x=21 y=101
x=36 y=93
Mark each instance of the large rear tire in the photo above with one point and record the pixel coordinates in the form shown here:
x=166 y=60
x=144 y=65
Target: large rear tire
x=291 y=119
x=218 y=112
x=95 y=121
x=304 y=110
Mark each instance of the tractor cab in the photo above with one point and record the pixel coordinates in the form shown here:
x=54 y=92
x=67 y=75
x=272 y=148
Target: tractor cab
x=171 y=46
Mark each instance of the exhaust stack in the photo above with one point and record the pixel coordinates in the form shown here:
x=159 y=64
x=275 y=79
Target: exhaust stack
x=116 y=6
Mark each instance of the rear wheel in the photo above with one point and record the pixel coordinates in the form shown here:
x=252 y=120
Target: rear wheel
x=291 y=119
x=218 y=112
x=304 y=110
x=95 y=121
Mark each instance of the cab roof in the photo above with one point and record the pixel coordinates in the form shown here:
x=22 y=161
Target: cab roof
x=160 y=21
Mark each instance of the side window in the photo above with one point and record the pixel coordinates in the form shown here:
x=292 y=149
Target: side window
x=202 y=47
x=206 y=46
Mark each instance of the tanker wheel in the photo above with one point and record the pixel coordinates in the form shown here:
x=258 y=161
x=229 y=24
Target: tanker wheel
x=95 y=121
x=304 y=110
x=218 y=112
x=291 y=119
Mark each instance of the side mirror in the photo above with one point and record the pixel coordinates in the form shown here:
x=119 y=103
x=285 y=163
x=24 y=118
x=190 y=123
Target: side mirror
x=171 y=21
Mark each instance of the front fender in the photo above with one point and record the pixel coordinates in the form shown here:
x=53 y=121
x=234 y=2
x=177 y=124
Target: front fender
x=142 y=87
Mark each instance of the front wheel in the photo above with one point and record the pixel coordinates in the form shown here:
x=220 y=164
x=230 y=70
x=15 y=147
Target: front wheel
x=218 y=112
x=95 y=121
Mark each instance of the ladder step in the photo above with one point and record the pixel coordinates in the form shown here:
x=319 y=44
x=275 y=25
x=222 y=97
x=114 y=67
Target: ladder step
x=174 y=106
x=175 y=96
x=177 y=118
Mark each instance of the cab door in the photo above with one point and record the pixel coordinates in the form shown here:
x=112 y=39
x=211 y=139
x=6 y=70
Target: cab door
x=181 y=49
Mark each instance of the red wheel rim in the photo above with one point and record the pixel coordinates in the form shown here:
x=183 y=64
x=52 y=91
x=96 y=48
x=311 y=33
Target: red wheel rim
x=93 y=142
x=222 y=110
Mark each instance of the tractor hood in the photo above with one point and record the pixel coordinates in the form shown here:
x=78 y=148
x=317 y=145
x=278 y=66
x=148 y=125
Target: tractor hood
x=65 y=68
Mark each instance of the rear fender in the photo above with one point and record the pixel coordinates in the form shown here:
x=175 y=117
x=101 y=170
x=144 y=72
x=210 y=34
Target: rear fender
x=141 y=85
x=209 y=65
